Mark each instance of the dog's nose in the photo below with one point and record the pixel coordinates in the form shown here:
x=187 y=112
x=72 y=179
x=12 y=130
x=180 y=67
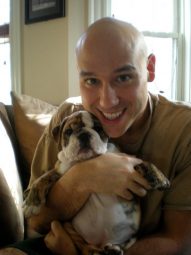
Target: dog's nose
x=84 y=139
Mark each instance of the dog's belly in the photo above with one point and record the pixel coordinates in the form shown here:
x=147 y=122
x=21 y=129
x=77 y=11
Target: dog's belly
x=107 y=219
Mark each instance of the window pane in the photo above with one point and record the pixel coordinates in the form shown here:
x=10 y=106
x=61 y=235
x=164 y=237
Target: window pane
x=5 y=80
x=147 y=15
x=5 y=75
x=165 y=65
x=4 y=12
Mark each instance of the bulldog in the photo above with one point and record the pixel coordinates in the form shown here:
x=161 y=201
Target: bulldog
x=107 y=223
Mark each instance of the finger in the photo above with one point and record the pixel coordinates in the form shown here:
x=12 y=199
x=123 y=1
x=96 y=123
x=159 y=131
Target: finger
x=136 y=189
x=138 y=178
x=56 y=229
x=55 y=226
x=52 y=238
x=48 y=236
x=49 y=240
x=61 y=243
x=135 y=161
x=126 y=194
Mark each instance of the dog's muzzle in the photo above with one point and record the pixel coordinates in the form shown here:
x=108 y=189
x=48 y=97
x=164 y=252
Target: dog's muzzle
x=84 y=139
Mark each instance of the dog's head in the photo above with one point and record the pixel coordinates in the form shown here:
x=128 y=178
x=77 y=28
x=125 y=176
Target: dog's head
x=80 y=136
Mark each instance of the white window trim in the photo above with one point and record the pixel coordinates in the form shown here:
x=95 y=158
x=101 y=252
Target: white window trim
x=75 y=29
x=185 y=30
x=98 y=9
x=95 y=10
x=15 y=44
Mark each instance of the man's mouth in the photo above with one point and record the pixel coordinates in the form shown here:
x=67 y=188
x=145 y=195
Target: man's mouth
x=113 y=115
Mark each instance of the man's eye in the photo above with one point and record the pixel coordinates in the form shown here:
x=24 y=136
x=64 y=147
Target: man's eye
x=123 y=78
x=92 y=81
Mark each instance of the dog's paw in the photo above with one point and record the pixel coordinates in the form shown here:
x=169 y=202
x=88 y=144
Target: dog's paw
x=30 y=210
x=129 y=243
x=112 y=249
x=154 y=176
x=33 y=201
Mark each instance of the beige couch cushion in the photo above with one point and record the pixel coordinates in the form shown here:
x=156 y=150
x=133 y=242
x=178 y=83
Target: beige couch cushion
x=31 y=116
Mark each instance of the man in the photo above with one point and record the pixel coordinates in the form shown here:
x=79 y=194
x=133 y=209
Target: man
x=114 y=70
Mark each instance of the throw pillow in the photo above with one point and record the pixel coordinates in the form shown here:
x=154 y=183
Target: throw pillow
x=31 y=116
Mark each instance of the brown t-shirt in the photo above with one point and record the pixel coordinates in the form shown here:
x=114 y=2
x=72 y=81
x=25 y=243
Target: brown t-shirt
x=165 y=140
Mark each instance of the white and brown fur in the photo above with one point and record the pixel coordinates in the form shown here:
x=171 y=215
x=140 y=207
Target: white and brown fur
x=107 y=223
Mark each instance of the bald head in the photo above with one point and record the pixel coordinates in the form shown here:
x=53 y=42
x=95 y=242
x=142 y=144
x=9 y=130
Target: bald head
x=109 y=33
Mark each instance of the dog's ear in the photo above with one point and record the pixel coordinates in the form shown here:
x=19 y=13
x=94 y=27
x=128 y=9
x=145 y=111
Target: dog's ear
x=56 y=131
x=98 y=128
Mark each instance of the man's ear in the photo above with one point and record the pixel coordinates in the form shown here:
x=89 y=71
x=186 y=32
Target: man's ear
x=151 y=67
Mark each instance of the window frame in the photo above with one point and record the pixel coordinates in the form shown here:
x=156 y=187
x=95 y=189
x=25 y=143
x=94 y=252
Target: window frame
x=12 y=33
x=15 y=45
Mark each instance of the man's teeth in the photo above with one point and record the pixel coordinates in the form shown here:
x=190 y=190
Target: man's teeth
x=112 y=116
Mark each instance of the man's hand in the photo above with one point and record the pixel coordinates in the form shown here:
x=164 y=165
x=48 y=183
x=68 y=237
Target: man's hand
x=112 y=173
x=58 y=241
x=173 y=238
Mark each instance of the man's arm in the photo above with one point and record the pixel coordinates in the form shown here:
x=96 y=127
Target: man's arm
x=174 y=238
x=64 y=201
x=109 y=173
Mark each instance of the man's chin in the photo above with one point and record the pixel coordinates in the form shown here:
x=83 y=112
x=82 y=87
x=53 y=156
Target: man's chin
x=114 y=133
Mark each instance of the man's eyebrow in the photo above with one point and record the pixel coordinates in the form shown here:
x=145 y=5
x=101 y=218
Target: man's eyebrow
x=125 y=68
x=118 y=70
x=85 y=73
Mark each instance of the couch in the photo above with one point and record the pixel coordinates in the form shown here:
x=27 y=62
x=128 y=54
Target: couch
x=21 y=125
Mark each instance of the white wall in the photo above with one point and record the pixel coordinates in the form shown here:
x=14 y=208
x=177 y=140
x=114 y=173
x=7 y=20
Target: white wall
x=48 y=59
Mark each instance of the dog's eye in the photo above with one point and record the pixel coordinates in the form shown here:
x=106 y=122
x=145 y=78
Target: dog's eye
x=101 y=132
x=98 y=128
x=68 y=132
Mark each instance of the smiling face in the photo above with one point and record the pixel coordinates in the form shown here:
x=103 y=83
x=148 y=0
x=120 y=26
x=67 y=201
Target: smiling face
x=113 y=75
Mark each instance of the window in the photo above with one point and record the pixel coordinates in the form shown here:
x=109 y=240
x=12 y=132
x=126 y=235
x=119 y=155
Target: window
x=5 y=76
x=158 y=22
x=167 y=29
x=10 y=48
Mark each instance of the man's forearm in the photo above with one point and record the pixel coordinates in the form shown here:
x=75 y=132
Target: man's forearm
x=66 y=197
x=155 y=245
x=64 y=201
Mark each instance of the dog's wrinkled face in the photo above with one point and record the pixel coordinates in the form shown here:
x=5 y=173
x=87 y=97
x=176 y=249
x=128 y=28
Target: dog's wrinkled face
x=80 y=136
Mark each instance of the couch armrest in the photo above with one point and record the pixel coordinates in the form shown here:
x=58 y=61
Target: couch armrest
x=11 y=192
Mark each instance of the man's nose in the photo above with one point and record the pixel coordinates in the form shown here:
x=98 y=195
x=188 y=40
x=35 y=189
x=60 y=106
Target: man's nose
x=108 y=97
